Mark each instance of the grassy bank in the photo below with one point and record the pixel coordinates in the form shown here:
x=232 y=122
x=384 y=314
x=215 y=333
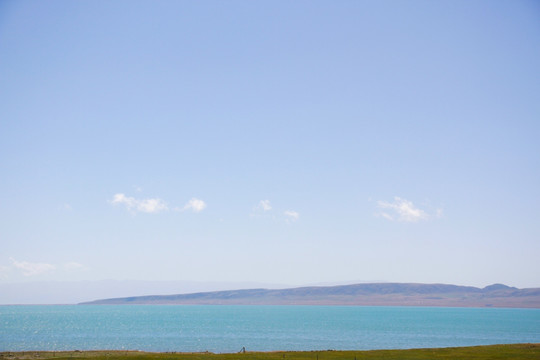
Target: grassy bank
x=514 y=351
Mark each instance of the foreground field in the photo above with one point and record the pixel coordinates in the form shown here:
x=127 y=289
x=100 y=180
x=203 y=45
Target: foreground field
x=513 y=351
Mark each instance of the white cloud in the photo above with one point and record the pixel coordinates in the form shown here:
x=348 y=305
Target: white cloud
x=291 y=215
x=73 y=266
x=31 y=269
x=401 y=210
x=151 y=205
x=386 y=216
x=196 y=205
x=265 y=205
x=261 y=208
x=143 y=205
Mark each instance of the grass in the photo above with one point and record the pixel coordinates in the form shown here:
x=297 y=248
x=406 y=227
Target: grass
x=492 y=352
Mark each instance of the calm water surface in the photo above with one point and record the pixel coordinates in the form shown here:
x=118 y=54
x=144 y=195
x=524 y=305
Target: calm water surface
x=261 y=328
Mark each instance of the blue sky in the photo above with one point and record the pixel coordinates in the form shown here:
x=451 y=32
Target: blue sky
x=273 y=142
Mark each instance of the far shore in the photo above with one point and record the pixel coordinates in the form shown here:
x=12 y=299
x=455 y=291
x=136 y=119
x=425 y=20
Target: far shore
x=506 y=351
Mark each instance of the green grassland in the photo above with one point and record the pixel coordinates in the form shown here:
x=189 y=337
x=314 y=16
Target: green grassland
x=513 y=351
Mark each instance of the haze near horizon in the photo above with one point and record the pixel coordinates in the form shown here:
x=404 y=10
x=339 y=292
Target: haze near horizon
x=270 y=142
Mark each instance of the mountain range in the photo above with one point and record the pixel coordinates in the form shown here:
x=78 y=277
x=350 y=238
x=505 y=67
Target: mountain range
x=374 y=294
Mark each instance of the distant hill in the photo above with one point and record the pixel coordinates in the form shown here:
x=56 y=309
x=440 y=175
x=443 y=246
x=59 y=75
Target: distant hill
x=377 y=294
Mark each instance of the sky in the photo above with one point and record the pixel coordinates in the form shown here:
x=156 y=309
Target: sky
x=270 y=142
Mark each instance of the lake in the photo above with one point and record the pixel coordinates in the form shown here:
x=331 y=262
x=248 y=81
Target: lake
x=259 y=328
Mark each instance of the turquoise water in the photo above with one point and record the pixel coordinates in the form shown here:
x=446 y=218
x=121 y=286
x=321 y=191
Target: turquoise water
x=259 y=328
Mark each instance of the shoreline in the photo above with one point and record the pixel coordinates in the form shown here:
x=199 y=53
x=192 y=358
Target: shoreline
x=535 y=307
x=509 y=351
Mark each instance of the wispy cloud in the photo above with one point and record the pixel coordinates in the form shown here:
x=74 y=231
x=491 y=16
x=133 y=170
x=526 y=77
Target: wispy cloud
x=264 y=205
x=154 y=205
x=73 y=266
x=401 y=210
x=261 y=208
x=141 y=205
x=31 y=269
x=195 y=205
x=4 y=271
x=291 y=215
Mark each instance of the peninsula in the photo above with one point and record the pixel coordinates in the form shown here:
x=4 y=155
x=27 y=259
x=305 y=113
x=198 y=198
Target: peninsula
x=375 y=294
